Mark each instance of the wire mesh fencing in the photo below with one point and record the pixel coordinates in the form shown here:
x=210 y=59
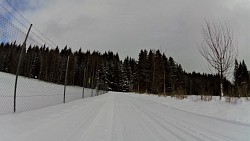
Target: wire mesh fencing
x=35 y=94
x=45 y=75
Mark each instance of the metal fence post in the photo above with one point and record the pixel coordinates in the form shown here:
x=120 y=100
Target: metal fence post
x=92 y=92
x=18 y=66
x=92 y=84
x=65 y=81
x=83 y=83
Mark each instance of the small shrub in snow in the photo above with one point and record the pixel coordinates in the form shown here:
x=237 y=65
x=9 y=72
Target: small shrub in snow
x=206 y=97
x=232 y=100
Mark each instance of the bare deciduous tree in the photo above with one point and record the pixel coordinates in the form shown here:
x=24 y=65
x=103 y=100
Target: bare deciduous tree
x=218 y=48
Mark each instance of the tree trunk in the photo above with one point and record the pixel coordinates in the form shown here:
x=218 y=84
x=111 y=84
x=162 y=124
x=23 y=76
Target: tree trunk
x=221 y=89
x=221 y=84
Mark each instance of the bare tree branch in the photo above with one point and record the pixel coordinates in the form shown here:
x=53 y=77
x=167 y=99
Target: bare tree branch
x=218 y=47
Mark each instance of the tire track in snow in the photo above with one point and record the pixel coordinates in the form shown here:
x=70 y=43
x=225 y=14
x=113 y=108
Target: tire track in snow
x=198 y=128
x=157 y=131
x=206 y=131
x=123 y=117
x=125 y=124
x=119 y=132
x=160 y=122
x=193 y=113
x=83 y=126
x=100 y=128
x=59 y=131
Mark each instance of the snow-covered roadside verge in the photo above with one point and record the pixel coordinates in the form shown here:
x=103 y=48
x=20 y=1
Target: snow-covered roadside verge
x=118 y=117
x=34 y=94
x=18 y=125
x=238 y=112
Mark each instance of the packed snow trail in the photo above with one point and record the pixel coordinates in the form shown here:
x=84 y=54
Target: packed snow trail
x=118 y=117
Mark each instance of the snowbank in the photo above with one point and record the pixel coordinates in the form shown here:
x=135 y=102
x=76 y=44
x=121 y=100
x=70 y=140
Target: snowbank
x=239 y=111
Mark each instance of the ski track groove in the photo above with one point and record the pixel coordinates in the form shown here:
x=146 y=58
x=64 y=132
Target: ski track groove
x=55 y=117
x=126 y=117
x=79 y=130
x=177 y=122
x=171 y=124
x=142 y=121
x=117 y=127
x=196 y=114
x=155 y=130
x=183 y=123
x=196 y=127
x=95 y=124
x=74 y=110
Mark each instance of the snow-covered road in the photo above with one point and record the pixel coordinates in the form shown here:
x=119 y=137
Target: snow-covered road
x=118 y=117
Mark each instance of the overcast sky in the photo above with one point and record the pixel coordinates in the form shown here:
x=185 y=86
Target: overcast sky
x=127 y=26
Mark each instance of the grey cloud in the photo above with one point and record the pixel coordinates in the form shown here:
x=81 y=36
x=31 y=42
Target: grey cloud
x=126 y=26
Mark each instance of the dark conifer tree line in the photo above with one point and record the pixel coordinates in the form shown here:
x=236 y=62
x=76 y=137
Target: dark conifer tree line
x=241 y=79
x=153 y=72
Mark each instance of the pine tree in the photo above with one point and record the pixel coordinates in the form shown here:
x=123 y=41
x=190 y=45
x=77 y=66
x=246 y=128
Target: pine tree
x=150 y=71
x=236 y=71
x=159 y=73
x=166 y=72
x=127 y=63
x=142 y=74
x=153 y=72
x=173 y=75
x=245 y=72
x=241 y=77
x=134 y=73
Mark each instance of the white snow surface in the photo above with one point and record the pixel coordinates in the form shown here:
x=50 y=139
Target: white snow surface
x=34 y=94
x=130 y=117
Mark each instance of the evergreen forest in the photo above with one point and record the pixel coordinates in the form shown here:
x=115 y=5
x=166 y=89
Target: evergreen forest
x=153 y=72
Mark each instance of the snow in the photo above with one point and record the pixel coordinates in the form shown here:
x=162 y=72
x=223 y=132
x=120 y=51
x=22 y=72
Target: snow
x=130 y=117
x=34 y=94
x=238 y=111
x=115 y=116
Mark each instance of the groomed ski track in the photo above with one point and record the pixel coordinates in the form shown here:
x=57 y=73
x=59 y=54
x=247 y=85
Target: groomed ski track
x=118 y=117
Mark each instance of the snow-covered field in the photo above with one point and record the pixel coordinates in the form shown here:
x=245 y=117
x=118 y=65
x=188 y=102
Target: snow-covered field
x=130 y=117
x=115 y=116
x=34 y=94
x=237 y=111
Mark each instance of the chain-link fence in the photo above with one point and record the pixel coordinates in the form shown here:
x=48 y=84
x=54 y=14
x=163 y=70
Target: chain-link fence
x=34 y=73
x=34 y=94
